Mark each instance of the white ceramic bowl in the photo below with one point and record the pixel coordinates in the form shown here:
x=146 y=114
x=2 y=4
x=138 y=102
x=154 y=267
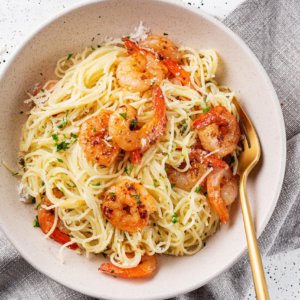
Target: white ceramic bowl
x=71 y=31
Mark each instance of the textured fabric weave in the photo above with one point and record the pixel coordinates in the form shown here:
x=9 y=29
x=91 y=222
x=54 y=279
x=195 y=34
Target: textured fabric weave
x=271 y=29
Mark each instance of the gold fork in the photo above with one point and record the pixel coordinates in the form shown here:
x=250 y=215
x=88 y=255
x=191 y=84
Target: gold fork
x=247 y=160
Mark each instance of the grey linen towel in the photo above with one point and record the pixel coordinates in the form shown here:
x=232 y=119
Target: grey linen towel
x=271 y=29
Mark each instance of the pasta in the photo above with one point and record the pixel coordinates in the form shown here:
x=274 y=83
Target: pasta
x=54 y=159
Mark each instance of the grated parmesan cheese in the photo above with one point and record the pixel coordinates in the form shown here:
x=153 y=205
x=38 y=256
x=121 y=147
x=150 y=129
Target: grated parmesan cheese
x=140 y=33
x=24 y=196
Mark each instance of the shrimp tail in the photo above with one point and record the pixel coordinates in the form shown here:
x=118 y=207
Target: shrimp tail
x=132 y=47
x=62 y=238
x=146 y=268
x=220 y=208
x=136 y=157
x=159 y=104
x=177 y=71
x=157 y=127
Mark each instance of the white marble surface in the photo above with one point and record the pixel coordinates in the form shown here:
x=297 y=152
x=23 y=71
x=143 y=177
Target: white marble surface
x=20 y=17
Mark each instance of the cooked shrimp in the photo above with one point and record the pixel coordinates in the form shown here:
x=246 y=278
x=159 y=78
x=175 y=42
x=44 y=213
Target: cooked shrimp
x=46 y=220
x=163 y=46
x=127 y=206
x=120 y=125
x=178 y=72
x=146 y=268
x=218 y=130
x=222 y=190
x=167 y=51
x=199 y=165
x=221 y=185
x=95 y=141
x=140 y=70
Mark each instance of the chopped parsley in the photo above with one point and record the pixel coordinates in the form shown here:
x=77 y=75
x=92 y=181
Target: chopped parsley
x=97 y=184
x=165 y=33
x=43 y=90
x=69 y=56
x=205 y=110
x=60 y=160
x=74 y=137
x=94 y=129
x=92 y=48
x=232 y=160
x=22 y=162
x=36 y=222
x=137 y=197
x=55 y=137
x=172 y=185
x=174 y=218
x=112 y=194
x=128 y=170
x=183 y=127
x=64 y=145
x=198 y=189
x=64 y=121
x=112 y=271
x=133 y=124
x=155 y=184
x=71 y=185
x=124 y=115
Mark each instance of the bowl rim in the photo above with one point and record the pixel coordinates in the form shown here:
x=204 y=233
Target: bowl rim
x=41 y=26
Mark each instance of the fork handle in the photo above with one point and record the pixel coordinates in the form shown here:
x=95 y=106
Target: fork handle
x=258 y=274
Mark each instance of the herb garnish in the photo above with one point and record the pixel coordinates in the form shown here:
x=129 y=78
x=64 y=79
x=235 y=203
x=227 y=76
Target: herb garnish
x=36 y=222
x=64 y=145
x=22 y=162
x=133 y=124
x=128 y=170
x=60 y=160
x=64 y=121
x=124 y=115
x=166 y=33
x=137 y=197
x=232 y=160
x=174 y=218
x=74 y=137
x=55 y=137
x=155 y=183
x=205 y=110
x=69 y=56
x=183 y=127
x=198 y=189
